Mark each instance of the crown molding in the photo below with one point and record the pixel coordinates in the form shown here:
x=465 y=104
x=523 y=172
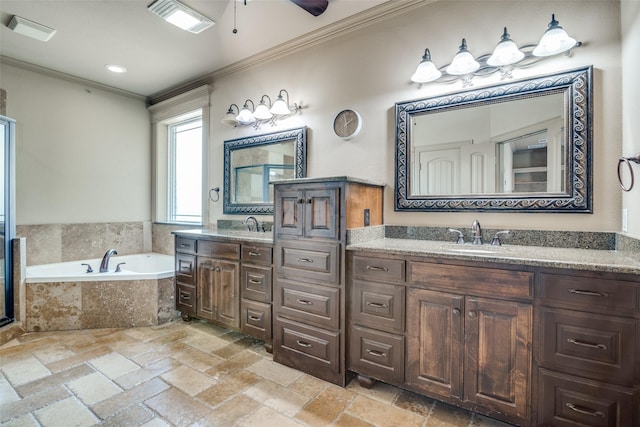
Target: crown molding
x=355 y=22
x=68 y=77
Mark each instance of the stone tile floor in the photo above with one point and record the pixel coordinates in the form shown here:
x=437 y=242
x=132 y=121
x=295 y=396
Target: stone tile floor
x=189 y=374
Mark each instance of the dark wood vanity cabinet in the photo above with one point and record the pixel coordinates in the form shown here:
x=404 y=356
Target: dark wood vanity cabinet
x=311 y=217
x=185 y=260
x=587 y=350
x=256 y=291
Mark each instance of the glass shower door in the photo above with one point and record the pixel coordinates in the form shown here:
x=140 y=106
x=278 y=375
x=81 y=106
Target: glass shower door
x=7 y=225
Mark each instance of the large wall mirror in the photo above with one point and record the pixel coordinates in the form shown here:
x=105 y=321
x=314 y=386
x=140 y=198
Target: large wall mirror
x=518 y=146
x=251 y=163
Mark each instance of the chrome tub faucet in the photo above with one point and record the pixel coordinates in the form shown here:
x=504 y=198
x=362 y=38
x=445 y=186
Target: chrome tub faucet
x=104 y=265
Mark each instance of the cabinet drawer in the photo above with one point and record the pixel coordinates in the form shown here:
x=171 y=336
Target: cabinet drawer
x=380 y=269
x=377 y=354
x=378 y=306
x=596 y=346
x=590 y=293
x=306 y=348
x=255 y=319
x=257 y=254
x=490 y=282
x=186 y=268
x=309 y=261
x=311 y=304
x=568 y=401
x=184 y=244
x=186 y=298
x=219 y=249
x=256 y=283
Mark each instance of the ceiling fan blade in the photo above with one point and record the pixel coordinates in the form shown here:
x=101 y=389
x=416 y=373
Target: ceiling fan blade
x=314 y=7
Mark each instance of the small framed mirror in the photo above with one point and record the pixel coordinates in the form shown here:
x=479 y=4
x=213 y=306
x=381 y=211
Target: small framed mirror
x=251 y=163
x=522 y=146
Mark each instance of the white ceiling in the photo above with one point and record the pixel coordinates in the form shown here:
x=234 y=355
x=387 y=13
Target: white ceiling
x=158 y=55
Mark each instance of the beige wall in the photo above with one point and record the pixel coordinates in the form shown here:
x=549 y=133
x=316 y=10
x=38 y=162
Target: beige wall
x=631 y=105
x=369 y=70
x=82 y=154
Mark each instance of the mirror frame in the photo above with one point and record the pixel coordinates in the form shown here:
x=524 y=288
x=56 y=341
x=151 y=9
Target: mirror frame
x=300 y=167
x=576 y=85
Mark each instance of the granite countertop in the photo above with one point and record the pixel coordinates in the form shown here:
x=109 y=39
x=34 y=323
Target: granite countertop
x=583 y=259
x=230 y=235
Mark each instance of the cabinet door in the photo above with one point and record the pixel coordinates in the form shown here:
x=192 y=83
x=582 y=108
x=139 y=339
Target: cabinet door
x=288 y=213
x=205 y=294
x=321 y=213
x=497 y=355
x=227 y=292
x=434 y=342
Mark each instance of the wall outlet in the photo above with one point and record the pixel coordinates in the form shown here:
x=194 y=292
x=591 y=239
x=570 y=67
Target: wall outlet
x=367 y=217
x=625 y=225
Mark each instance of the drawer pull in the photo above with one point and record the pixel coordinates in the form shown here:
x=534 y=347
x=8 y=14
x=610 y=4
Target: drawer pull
x=254 y=253
x=588 y=293
x=305 y=260
x=587 y=344
x=584 y=411
x=374 y=268
x=303 y=344
x=376 y=353
x=377 y=305
x=254 y=318
x=185 y=297
x=185 y=245
x=255 y=282
x=304 y=302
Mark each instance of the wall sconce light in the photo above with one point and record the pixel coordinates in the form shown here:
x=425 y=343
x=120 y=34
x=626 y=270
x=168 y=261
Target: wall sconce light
x=263 y=113
x=505 y=57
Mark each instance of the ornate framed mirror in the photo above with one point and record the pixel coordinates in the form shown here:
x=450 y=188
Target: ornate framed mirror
x=251 y=163
x=521 y=146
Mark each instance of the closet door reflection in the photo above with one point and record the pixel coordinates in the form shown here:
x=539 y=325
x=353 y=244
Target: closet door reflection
x=7 y=226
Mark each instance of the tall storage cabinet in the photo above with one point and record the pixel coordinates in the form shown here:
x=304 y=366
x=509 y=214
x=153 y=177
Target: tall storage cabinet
x=311 y=218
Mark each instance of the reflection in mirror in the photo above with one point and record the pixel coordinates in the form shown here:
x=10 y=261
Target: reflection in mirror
x=520 y=146
x=252 y=163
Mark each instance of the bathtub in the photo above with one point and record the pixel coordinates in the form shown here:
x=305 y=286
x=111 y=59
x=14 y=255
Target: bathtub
x=63 y=296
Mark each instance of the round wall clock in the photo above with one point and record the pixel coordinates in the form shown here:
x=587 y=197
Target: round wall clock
x=347 y=124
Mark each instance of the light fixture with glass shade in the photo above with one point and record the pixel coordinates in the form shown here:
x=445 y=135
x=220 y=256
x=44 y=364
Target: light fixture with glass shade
x=463 y=63
x=280 y=107
x=506 y=52
x=505 y=57
x=230 y=117
x=554 y=41
x=245 y=117
x=426 y=71
x=262 y=111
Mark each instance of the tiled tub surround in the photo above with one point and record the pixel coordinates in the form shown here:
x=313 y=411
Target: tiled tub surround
x=80 y=300
x=49 y=243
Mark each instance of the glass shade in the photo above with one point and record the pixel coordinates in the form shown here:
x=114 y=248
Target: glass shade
x=554 y=41
x=230 y=116
x=245 y=117
x=463 y=63
x=280 y=108
x=426 y=71
x=262 y=112
x=505 y=53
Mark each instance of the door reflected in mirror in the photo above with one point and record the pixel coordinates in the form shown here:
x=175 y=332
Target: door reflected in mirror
x=251 y=164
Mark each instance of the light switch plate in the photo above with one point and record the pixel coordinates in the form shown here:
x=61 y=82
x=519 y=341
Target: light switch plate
x=625 y=224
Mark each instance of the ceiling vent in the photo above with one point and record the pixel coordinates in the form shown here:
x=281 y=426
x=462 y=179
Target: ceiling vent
x=31 y=29
x=181 y=16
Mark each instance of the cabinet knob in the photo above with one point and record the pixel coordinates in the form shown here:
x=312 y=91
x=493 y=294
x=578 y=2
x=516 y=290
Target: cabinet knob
x=456 y=311
x=300 y=201
x=472 y=314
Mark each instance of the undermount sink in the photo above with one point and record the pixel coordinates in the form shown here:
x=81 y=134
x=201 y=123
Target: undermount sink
x=472 y=251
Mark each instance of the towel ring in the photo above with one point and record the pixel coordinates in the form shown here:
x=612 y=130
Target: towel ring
x=627 y=161
x=217 y=190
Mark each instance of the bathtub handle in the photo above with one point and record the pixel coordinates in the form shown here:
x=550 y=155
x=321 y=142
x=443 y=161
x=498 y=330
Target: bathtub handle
x=118 y=267
x=89 y=269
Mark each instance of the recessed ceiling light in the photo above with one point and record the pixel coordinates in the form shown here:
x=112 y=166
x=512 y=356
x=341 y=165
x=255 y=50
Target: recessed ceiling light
x=115 y=68
x=31 y=29
x=181 y=16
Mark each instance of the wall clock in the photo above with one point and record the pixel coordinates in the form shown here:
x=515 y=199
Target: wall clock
x=347 y=124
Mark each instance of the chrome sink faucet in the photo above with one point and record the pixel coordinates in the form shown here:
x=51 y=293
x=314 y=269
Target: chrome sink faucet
x=476 y=231
x=104 y=265
x=248 y=226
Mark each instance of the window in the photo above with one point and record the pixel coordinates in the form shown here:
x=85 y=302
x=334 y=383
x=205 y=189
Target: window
x=185 y=171
x=180 y=158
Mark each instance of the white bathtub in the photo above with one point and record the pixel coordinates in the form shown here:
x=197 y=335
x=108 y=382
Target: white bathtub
x=136 y=267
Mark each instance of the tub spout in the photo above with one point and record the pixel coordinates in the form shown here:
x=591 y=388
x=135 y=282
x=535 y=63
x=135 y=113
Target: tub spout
x=104 y=265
